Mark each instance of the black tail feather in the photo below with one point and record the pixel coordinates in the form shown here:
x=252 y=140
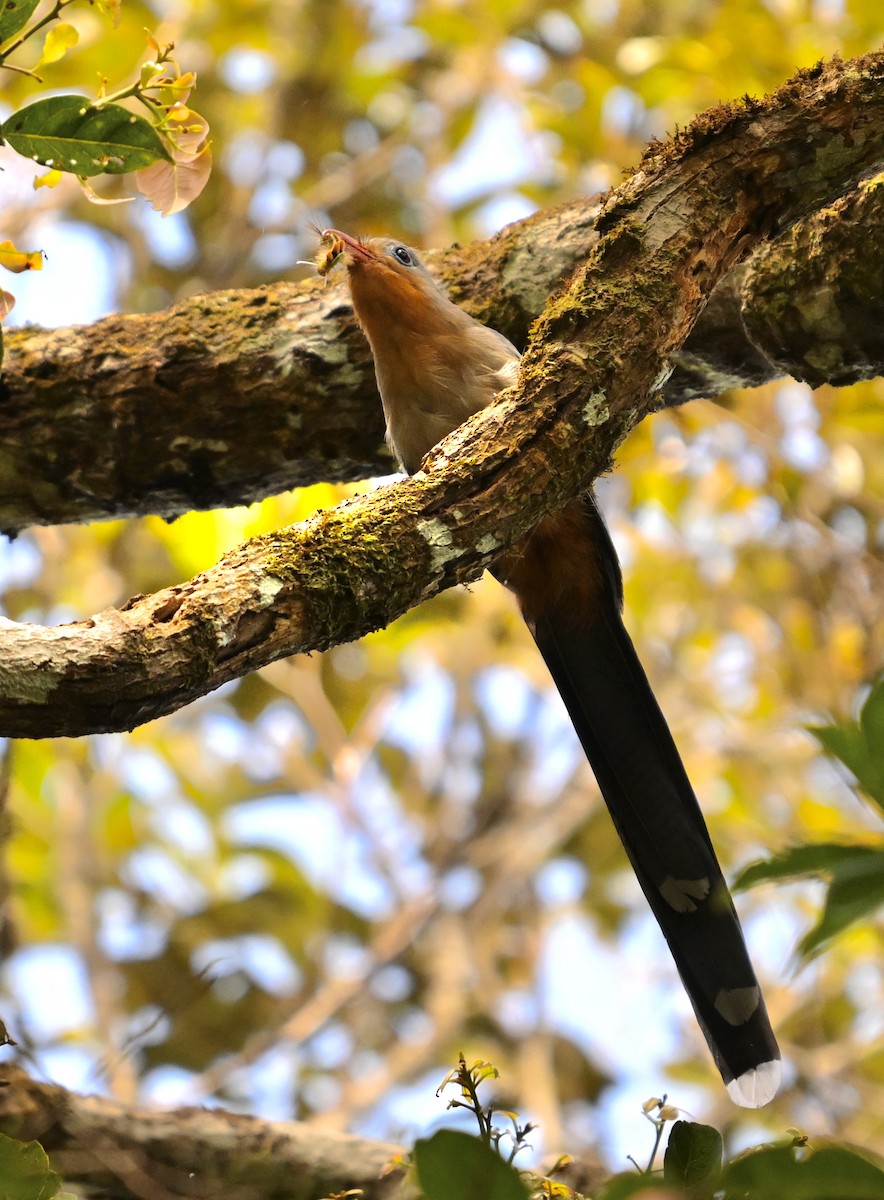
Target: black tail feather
x=641 y=776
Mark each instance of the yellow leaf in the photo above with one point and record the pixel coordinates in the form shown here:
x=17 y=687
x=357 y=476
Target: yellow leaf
x=58 y=41
x=176 y=91
x=20 y=260
x=7 y=303
x=111 y=8
x=51 y=179
x=186 y=133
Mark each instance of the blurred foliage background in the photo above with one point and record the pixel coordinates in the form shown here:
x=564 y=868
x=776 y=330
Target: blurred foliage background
x=303 y=895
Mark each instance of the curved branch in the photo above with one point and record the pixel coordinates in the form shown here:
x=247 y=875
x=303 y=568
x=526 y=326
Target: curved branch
x=832 y=330
x=228 y=398
x=809 y=304
x=593 y=368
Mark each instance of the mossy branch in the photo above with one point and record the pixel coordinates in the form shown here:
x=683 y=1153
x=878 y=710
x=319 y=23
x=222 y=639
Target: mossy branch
x=595 y=365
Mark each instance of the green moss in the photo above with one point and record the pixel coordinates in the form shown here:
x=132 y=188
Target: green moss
x=350 y=581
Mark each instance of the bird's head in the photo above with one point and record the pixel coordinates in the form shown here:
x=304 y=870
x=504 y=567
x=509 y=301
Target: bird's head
x=388 y=282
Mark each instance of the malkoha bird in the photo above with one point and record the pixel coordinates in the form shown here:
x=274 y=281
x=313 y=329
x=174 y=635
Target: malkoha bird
x=436 y=366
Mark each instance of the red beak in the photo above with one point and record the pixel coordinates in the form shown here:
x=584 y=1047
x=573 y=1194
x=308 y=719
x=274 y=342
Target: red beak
x=353 y=244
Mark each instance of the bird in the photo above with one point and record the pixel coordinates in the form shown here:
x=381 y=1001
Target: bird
x=435 y=366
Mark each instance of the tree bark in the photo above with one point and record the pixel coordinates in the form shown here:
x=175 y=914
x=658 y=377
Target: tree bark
x=117 y=1152
x=227 y=398
x=596 y=361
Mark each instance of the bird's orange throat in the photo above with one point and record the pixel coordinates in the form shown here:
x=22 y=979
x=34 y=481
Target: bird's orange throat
x=385 y=300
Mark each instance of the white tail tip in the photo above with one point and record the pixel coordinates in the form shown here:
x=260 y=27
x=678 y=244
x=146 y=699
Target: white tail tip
x=754 y=1088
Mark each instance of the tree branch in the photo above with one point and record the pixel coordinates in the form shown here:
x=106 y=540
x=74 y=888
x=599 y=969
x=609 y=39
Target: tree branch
x=227 y=398
x=809 y=304
x=117 y=1152
x=832 y=330
x=595 y=363
x=233 y=396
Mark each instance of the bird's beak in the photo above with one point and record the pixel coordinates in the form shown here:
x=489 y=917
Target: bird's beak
x=357 y=250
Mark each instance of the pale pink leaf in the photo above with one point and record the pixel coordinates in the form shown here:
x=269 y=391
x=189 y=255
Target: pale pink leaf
x=170 y=187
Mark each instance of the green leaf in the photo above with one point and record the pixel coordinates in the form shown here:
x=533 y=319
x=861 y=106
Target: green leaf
x=621 y=1187
x=70 y=134
x=871 y=721
x=856 y=883
x=872 y=715
x=860 y=745
x=856 y=891
x=14 y=15
x=693 y=1158
x=831 y=1173
x=455 y=1166
x=761 y=1173
x=821 y=861
x=25 y=1173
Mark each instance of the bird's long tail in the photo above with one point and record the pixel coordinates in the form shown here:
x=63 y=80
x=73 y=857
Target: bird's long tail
x=627 y=741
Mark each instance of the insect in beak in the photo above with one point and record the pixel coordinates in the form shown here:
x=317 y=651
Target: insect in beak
x=329 y=255
x=331 y=252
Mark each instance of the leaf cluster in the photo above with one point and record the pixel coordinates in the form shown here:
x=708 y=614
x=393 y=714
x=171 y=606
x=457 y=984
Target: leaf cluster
x=453 y=1165
x=853 y=872
x=167 y=152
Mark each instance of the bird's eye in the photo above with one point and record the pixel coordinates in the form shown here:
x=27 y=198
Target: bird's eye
x=403 y=255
